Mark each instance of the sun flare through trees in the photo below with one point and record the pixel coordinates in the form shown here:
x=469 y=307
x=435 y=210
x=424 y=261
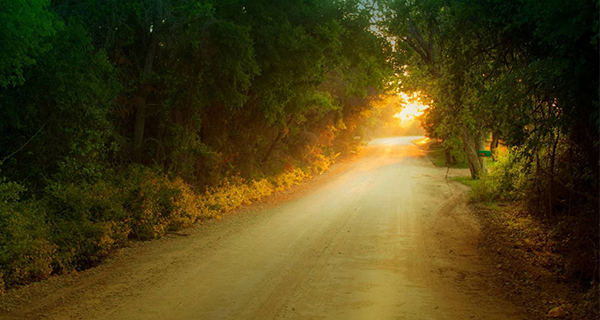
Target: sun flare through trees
x=124 y=120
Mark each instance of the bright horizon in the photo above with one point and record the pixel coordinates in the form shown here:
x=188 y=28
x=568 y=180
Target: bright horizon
x=411 y=108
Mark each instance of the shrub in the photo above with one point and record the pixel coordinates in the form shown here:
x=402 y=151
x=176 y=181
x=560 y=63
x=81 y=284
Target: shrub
x=155 y=203
x=185 y=203
x=259 y=189
x=507 y=179
x=290 y=178
x=574 y=223
x=74 y=226
x=233 y=193
x=147 y=196
x=87 y=222
x=25 y=252
x=81 y=243
x=319 y=162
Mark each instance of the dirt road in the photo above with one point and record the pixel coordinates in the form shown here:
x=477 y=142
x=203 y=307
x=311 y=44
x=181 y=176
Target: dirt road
x=385 y=238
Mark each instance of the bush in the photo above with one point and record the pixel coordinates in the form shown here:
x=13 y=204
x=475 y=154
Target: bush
x=155 y=203
x=233 y=193
x=81 y=243
x=25 y=252
x=185 y=203
x=288 y=179
x=87 y=222
x=507 y=179
x=74 y=226
x=148 y=201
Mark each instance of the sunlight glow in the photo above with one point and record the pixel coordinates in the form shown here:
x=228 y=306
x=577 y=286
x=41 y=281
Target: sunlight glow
x=412 y=107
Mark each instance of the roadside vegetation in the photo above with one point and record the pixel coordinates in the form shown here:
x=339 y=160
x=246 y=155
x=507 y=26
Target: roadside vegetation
x=123 y=120
x=548 y=265
x=440 y=156
x=76 y=225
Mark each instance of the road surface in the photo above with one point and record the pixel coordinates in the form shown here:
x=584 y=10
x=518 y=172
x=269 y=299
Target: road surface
x=382 y=237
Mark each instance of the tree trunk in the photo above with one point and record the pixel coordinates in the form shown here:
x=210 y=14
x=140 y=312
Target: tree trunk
x=140 y=110
x=448 y=156
x=280 y=135
x=138 y=129
x=494 y=145
x=551 y=176
x=471 y=152
x=539 y=193
x=480 y=140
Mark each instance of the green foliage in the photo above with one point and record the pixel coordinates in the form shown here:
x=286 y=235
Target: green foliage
x=25 y=252
x=447 y=154
x=75 y=226
x=87 y=221
x=150 y=202
x=27 y=24
x=514 y=179
x=58 y=121
x=526 y=71
x=116 y=112
x=507 y=179
x=482 y=190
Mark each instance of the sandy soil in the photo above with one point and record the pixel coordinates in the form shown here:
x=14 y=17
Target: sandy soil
x=381 y=237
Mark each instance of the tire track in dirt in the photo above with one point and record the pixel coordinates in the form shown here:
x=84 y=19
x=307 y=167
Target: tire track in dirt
x=386 y=238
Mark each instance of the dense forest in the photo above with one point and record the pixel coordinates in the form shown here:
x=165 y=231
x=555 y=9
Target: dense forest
x=125 y=119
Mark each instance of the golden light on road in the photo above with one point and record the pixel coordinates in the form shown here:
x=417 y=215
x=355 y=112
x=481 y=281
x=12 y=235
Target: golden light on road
x=411 y=108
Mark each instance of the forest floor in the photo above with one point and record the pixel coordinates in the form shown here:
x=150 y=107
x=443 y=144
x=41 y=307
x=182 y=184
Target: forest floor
x=384 y=236
x=529 y=271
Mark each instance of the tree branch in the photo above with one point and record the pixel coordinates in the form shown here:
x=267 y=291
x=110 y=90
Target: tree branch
x=26 y=143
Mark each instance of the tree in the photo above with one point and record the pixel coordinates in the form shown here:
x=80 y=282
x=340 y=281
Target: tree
x=429 y=39
x=27 y=25
x=58 y=118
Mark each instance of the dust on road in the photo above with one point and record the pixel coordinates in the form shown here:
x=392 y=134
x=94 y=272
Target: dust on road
x=385 y=238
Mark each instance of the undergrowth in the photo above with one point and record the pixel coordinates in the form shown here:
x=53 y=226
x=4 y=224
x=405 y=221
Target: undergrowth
x=74 y=226
x=563 y=245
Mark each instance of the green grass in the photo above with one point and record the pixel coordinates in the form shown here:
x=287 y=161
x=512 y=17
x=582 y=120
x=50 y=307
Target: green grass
x=437 y=156
x=480 y=191
x=467 y=181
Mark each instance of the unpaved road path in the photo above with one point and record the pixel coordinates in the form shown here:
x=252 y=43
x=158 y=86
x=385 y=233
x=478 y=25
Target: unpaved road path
x=383 y=238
